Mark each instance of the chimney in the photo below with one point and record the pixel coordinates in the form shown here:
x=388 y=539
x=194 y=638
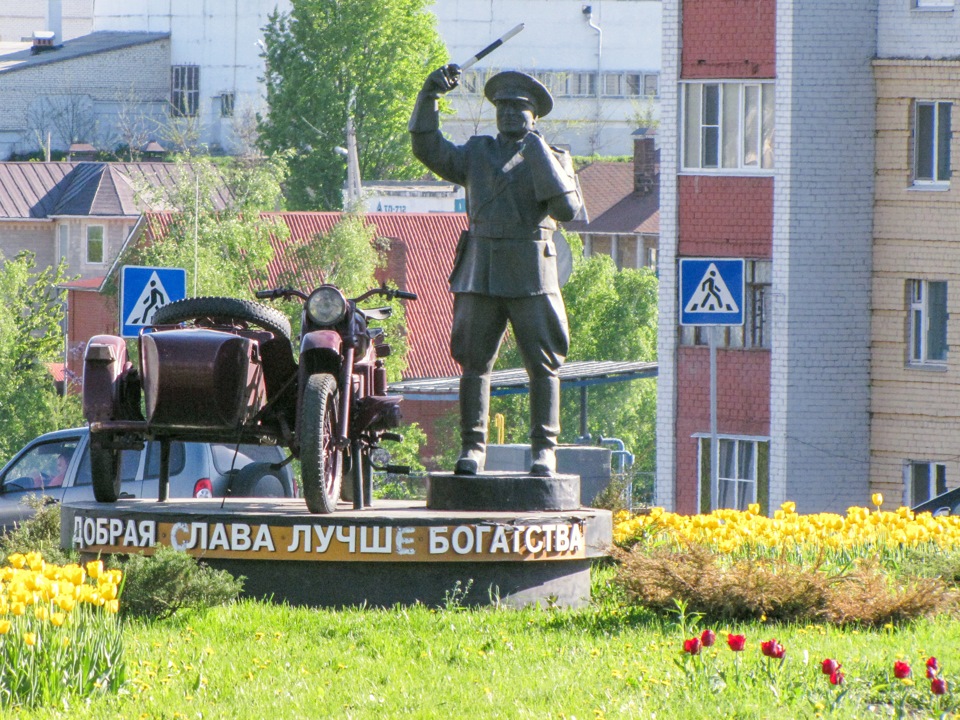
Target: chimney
x=55 y=20
x=646 y=162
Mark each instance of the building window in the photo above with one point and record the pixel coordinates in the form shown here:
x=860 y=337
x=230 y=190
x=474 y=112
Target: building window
x=934 y=4
x=95 y=244
x=728 y=126
x=185 y=90
x=927 y=480
x=651 y=85
x=63 y=242
x=579 y=84
x=629 y=84
x=226 y=104
x=928 y=322
x=743 y=477
x=757 y=322
x=932 y=142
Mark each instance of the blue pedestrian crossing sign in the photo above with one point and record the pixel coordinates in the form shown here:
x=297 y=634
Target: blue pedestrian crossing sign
x=143 y=290
x=711 y=291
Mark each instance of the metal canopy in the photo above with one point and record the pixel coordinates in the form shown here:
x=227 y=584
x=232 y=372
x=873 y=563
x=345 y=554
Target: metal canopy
x=580 y=374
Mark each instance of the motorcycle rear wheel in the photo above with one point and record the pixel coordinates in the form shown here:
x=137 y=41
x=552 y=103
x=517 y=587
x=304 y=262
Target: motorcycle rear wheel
x=104 y=470
x=321 y=462
x=207 y=311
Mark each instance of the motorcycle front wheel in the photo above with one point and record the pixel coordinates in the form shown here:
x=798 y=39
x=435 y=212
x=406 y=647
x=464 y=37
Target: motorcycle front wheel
x=321 y=463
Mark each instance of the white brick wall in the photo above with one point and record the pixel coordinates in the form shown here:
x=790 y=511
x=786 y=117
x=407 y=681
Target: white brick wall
x=105 y=78
x=823 y=200
x=665 y=487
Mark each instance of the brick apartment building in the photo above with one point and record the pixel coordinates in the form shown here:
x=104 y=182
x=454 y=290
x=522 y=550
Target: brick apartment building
x=767 y=142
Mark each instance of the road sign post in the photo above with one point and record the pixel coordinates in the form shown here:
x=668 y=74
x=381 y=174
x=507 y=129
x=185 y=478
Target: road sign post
x=143 y=290
x=712 y=294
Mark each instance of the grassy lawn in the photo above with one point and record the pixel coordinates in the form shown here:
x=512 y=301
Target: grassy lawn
x=254 y=660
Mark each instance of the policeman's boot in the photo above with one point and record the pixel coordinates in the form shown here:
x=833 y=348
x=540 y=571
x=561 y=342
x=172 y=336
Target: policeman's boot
x=474 y=409
x=544 y=425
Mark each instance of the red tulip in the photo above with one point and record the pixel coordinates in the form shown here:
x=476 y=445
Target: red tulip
x=901 y=670
x=836 y=677
x=938 y=686
x=692 y=646
x=736 y=642
x=829 y=666
x=772 y=649
x=708 y=638
x=932 y=664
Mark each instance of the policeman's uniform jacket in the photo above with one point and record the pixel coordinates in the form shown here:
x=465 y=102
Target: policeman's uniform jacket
x=509 y=249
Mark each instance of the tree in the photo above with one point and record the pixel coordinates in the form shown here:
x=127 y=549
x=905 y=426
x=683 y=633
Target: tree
x=327 y=59
x=31 y=335
x=216 y=231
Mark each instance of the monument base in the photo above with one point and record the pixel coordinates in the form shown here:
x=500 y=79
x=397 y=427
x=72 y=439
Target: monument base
x=503 y=491
x=393 y=552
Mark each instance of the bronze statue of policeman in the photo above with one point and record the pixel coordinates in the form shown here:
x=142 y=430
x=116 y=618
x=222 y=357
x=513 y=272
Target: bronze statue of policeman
x=517 y=187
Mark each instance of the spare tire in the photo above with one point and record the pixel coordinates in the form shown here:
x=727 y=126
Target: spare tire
x=259 y=479
x=211 y=311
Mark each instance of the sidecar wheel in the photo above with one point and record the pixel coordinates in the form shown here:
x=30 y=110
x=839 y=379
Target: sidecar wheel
x=207 y=311
x=321 y=463
x=104 y=470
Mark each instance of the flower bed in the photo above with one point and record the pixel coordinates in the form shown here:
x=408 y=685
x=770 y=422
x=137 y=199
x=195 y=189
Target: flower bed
x=59 y=632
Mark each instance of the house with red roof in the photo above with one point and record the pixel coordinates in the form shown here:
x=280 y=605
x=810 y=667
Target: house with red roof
x=622 y=207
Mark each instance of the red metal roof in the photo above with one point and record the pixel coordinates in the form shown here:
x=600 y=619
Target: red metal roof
x=612 y=204
x=421 y=253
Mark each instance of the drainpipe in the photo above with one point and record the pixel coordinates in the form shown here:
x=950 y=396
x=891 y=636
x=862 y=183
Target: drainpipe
x=587 y=11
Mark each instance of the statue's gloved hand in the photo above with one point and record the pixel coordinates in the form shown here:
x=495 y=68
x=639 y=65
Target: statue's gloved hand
x=534 y=146
x=442 y=80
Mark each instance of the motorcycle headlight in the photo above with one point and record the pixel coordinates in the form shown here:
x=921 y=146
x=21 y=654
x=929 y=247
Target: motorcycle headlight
x=326 y=306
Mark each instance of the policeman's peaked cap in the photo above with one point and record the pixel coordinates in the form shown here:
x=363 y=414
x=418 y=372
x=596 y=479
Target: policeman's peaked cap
x=513 y=85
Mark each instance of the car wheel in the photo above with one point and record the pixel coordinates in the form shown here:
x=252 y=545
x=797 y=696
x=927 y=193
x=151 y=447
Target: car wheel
x=321 y=463
x=210 y=311
x=258 y=479
x=104 y=470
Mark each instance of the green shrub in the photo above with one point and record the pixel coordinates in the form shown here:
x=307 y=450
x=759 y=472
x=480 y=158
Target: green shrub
x=159 y=585
x=41 y=533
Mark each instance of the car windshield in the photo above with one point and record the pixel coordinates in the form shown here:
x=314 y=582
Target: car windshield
x=224 y=460
x=43 y=465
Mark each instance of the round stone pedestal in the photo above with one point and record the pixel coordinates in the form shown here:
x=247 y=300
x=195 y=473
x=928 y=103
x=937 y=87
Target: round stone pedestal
x=503 y=491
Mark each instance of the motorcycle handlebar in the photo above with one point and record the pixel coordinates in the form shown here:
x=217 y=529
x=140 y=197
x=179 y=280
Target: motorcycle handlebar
x=274 y=293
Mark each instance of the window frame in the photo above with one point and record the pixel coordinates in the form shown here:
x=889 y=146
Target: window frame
x=919 y=318
x=713 y=140
x=934 y=5
x=758 y=485
x=938 y=137
x=185 y=90
x=936 y=479
x=228 y=104
x=103 y=245
x=63 y=242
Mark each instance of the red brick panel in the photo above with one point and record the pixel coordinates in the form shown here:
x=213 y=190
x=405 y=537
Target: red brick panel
x=725 y=216
x=728 y=39
x=88 y=314
x=743 y=406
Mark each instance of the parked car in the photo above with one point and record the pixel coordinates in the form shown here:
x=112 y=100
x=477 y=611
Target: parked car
x=947 y=503
x=57 y=466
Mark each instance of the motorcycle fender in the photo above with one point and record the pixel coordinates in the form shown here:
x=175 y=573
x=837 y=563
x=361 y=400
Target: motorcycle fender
x=104 y=362
x=320 y=351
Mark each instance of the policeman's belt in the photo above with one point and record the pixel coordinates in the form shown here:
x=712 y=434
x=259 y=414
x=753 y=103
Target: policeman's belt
x=509 y=230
